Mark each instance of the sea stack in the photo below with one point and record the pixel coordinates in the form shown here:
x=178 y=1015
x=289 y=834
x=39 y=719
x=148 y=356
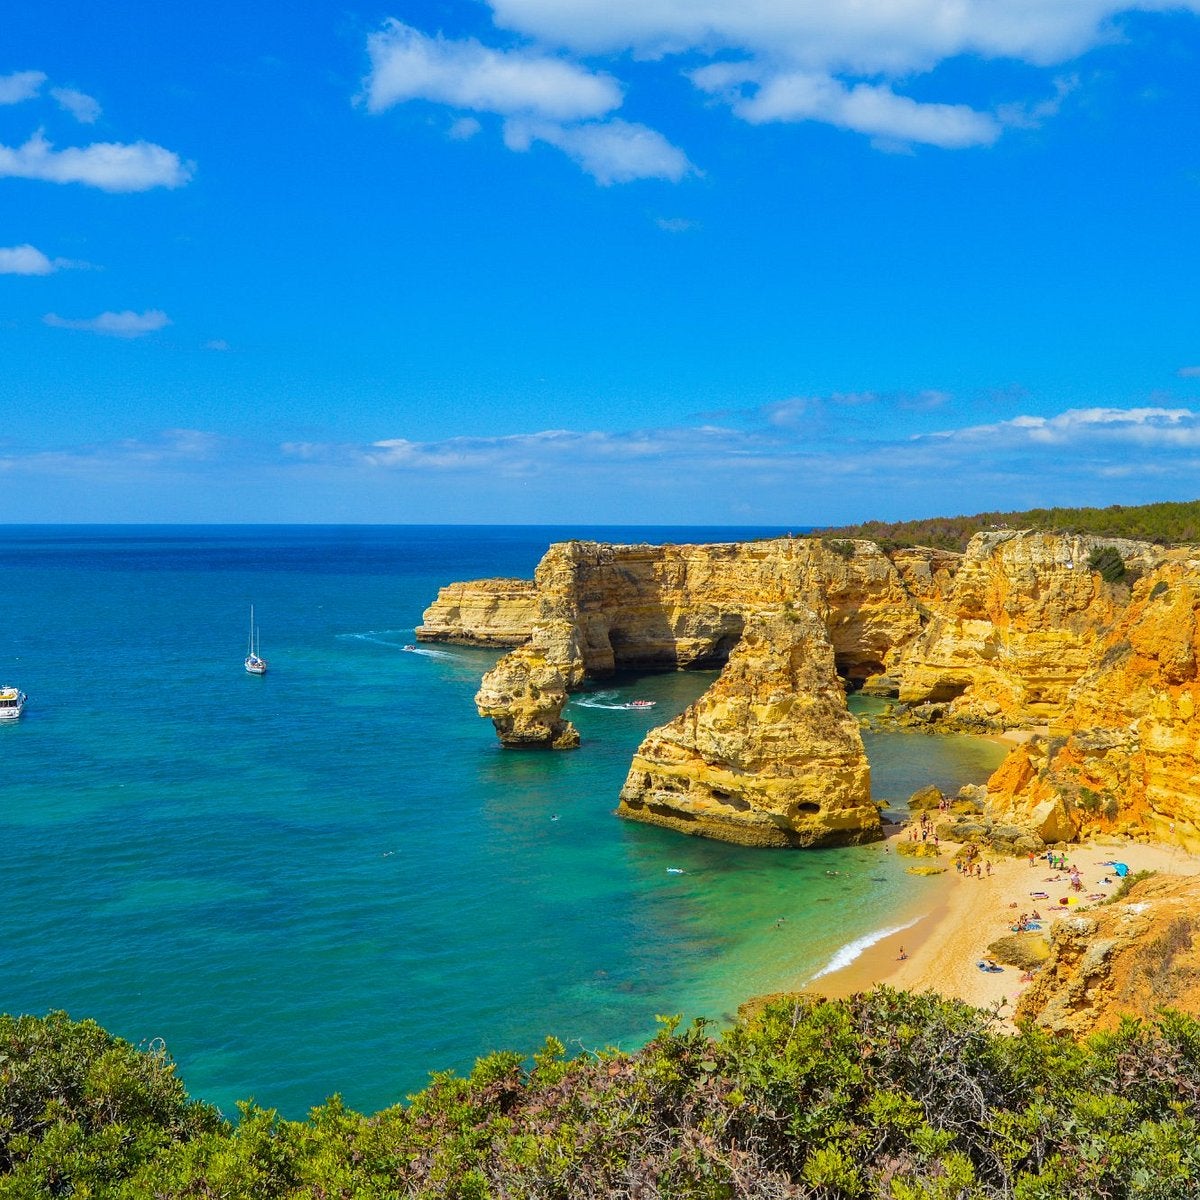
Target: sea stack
x=525 y=691
x=769 y=755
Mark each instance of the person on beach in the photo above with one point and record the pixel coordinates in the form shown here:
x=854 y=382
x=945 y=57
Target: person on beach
x=902 y=955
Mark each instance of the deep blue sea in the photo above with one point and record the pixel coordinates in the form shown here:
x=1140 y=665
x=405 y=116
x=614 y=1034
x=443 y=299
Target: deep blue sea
x=332 y=879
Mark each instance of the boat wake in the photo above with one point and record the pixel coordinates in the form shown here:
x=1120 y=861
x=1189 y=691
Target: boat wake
x=597 y=700
x=609 y=701
x=382 y=639
x=849 y=952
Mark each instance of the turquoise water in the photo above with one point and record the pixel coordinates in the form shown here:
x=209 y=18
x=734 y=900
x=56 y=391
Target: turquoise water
x=332 y=878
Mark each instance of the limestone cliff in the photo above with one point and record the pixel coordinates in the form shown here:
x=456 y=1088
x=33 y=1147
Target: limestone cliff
x=1018 y=632
x=1131 y=957
x=1019 y=627
x=1125 y=754
x=600 y=608
x=483 y=612
x=769 y=755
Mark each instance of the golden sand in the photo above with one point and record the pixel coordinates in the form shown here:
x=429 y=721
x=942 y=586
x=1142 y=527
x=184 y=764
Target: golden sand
x=967 y=913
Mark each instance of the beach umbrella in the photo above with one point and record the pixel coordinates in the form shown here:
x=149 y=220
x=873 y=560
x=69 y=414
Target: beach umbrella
x=1121 y=869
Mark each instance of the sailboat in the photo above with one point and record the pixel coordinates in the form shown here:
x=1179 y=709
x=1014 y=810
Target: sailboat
x=255 y=663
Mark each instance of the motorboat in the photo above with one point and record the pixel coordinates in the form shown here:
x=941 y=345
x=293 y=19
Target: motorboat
x=12 y=703
x=641 y=703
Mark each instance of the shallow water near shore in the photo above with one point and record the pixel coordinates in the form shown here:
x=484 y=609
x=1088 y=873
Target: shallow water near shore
x=332 y=878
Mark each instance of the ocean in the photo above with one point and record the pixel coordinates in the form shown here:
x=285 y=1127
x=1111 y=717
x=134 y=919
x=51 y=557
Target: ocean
x=332 y=878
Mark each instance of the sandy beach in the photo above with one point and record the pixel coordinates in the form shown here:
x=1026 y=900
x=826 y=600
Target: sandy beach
x=967 y=913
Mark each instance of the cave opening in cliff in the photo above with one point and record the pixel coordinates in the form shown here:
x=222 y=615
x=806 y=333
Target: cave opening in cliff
x=854 y=670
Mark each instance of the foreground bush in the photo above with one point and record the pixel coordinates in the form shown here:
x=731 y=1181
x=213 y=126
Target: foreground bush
x=885 y=1095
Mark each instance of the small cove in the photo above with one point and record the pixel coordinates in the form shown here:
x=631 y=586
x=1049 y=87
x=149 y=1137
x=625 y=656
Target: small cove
x=332 y=878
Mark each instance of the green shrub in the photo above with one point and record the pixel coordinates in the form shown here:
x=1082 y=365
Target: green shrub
x=886 y=1094
x=1106 y=561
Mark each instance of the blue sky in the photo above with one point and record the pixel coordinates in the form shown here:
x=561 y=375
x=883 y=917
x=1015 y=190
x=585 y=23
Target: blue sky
x=647 y=261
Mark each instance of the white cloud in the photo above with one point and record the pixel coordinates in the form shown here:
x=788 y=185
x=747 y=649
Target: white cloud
x=892 y=38
x=807 y=470
x=1189 y=372
x=865 y=108
x=219 y=344
x=20 y=85
x=125 y=324
x=524 y=454
x=1141 y=427
x=676 y=224
x=81 y=106
x=110 y=166
x=407 y=65
x=791 y=441
x=841 y=63
x=29 y=260
x=610 y=151
x=543 y=98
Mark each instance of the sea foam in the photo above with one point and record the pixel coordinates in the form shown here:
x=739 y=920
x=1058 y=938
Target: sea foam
x=851 y=950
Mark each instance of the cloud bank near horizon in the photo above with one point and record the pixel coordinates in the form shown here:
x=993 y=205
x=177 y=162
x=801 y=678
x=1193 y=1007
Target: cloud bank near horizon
x=772 y=473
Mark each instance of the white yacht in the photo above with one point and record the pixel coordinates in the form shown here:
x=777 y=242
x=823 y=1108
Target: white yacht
x=12 y=703
x=255 y=663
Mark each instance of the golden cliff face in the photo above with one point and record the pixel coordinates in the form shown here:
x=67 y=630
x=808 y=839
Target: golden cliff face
x=1125 y=754
x=639 y=607
x=1018 y=632
x=1019 y=627
x=1128 y=958
x=484 y=612
x=599 y=608
x=769 y=755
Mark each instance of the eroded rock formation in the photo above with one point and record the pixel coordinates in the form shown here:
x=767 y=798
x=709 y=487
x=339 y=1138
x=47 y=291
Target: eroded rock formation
x=769 y=755
x=1125 y=754
x=1018 y=632
x=483 y=612
x=1131 y=957
x=1019 y=627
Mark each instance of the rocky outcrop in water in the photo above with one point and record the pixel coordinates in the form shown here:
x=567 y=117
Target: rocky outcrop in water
x=769 y=755
x=1021 y=631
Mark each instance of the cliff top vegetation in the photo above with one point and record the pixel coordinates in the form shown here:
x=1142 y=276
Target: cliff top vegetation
x=887 y=1094
x=1167 y=523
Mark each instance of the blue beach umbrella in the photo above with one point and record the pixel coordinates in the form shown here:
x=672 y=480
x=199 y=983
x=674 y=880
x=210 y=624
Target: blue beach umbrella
x=1121 y=869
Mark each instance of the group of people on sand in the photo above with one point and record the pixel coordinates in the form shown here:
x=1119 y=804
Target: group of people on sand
x=970 y=862
x=922 y=831
x=1025 y=922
